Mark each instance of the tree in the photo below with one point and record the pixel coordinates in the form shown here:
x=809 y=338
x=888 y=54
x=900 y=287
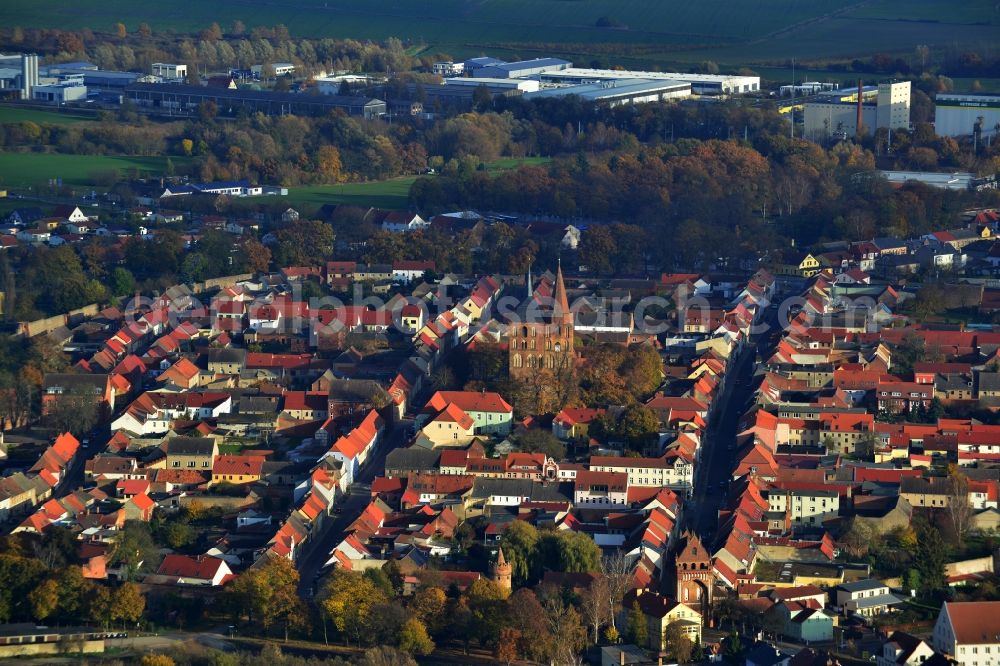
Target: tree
x=74 y=411
x=156 y=660
x=538 y=440
x=238 y=28
x=385 y=656
x=959 y=508
x=127 y=603
x=639 y=425
x=120 y=30
x=637 y=631
x=428 y=606
x=617 y=570
x=347 y=599
x=677 y=644
x=568 y=633
x=44 y=599
x=135 y=549
x=413 y=638
x=930 y=558
x=122 y=282
x=256 y=256
x=328 y=164
x=506 y=649
x=858 y=538
x=594 y=605
x=520 y=542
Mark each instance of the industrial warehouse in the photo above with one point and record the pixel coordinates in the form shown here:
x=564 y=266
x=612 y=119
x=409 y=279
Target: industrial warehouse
x=177 y=98
x=841 y=114
x=967 y=114
x=618 y=93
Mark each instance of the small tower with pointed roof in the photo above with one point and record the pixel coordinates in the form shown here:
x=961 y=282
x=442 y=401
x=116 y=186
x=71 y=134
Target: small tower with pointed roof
x=695 y=574
x=503 y=573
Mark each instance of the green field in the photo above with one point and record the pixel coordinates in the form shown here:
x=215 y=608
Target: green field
x=13 y=114
x=33 y=169
x=648 y=31
x=392 y=193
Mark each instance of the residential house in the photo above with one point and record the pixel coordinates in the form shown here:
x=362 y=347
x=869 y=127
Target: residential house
x=969 y=632
x=866 y=598
x=490 y=413
x=903 y=649
x=600 y=490
x=202 y=571
x=660 y=612
x=190 y=452
x=237 y=469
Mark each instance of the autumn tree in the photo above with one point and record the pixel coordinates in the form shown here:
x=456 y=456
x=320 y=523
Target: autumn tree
x=120 y=30
x=328 y=165
x=677 y=644
x=346 y=600
x=594 y=605
x=857 y=539
x=960 y=511
x=506 y=649
x=44 y=599
x=127 y=603
x=413 y=638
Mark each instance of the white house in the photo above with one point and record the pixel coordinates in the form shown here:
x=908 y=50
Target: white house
x=867 y=598
x=903 y=649
x=400 y=221
x=969 y=632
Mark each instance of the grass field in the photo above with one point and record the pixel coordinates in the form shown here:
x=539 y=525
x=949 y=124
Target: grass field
x=32 y=169
x=10 y=114
x=392 y=193
x=651 y=31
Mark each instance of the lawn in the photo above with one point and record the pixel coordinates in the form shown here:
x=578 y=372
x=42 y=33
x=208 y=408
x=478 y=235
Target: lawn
x=650 y=32
x=32 y=169
x=509 y=163
x=13 y=114
x=393 y=194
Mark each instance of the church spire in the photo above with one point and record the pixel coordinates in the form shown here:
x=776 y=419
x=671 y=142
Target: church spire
x=531 y=288
x=560 y=309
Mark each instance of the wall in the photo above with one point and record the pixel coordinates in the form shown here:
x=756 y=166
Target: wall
x=7 y=651
x=32 y=328
x=220 y=282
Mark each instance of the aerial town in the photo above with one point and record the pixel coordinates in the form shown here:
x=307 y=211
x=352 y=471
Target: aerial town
x=324 y=350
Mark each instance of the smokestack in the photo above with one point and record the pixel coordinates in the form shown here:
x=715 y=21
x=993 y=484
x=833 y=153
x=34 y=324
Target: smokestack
x=861 y=111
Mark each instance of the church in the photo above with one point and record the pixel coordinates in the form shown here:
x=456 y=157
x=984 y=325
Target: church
x=541 y=337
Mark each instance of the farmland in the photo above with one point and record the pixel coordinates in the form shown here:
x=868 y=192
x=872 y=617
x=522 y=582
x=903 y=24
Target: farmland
x=645 y=31
x=10 y=114
x=393 y=193
x=34 y=169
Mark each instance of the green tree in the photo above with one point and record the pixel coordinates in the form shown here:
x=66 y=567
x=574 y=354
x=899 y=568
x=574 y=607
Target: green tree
x=135 y=550
x=931 y=556
x=520 y=543
x=122 y=282
x=639 y=425
x=637 y=631
x=539 y=440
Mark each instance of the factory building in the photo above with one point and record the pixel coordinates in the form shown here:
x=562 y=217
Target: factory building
x=522 y=69
x=701 y=84
x=471 y=65
x=19 y=72
x=169 y=71
x=280 y=69
x=963 y=114
x=835 y=114
x=59 y=93
x=184 y=99
x=448 y=68
x=495 y=85
x=619 y=93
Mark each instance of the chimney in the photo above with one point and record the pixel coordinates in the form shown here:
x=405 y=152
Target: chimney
x=861 y=112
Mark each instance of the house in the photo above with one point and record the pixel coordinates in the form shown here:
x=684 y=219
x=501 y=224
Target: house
x=190 y=452
x=600 y=490
x=866 y=598
x=201 y=571
x=70 y=214
x=490 y=413
x=660 y=612
x=574 y=422
x=408 y=271
x=801 y=624
x=401 y=221
x=237 y=469
x=903 y=649
x=227 y=360
x=796 y=263
x=290 y=215
x=450 y=427
x=969 y=632
x=97 y=385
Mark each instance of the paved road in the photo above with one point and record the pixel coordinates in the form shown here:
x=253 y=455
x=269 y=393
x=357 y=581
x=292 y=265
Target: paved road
x=318 y=551
x=717 y=455
x=74 y=476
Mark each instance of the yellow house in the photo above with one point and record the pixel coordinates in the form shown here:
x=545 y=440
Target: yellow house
x=237 y=469
x=452 y=427
x=660 y=612
x=799 y=264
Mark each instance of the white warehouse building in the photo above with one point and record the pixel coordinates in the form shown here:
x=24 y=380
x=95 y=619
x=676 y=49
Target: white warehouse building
x=522 y=69
x=495 y=85
x=958 y=114
x=169 y=71
x=701 y=84
x=619 y=93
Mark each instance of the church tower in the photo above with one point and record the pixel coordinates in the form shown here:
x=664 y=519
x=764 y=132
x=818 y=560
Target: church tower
x=695 y=576
x=542 y=338
x=503 y=573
